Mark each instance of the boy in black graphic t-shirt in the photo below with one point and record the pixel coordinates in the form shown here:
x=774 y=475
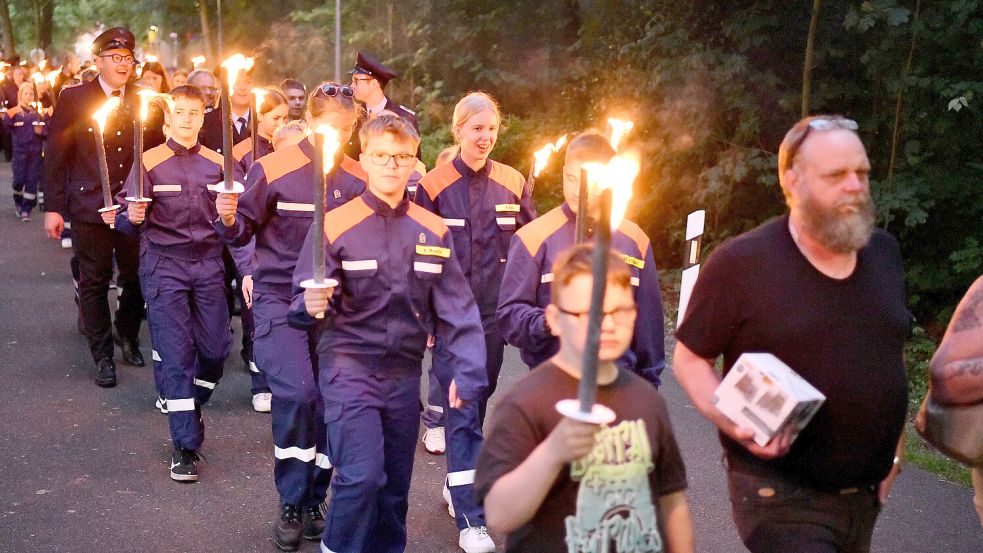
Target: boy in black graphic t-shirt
x=555 y=484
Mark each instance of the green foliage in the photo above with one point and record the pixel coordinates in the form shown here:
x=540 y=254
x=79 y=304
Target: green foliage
x=711 y=86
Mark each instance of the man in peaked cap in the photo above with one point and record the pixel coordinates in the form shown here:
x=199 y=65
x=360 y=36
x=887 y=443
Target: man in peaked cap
x=72 y=187
x=369 y=80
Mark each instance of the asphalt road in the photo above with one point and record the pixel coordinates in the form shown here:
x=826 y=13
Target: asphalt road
x=84 y=469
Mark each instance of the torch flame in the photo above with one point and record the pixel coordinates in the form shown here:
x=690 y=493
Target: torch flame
x=42 y=65
x=260 y=93
x=52 y=77
x=234 y=65
x=331 y=145
x=542 y=155
x=619 y=175
x=37 y=77
x=197 y=60
x=103 y=113
x=151 y=58
x=619 y=128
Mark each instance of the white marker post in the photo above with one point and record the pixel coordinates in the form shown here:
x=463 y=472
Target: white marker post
x=695 y=224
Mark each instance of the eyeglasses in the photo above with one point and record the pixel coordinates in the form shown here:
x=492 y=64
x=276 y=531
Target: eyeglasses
x=819 y=124
x=621 y=315
x=120 y=58
x=335 y=90
x=402 y=160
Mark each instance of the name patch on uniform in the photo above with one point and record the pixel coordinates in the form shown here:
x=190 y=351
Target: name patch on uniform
x=293 y=206
x=507 y=208
x=548 y=277
x=634 y=261
x=361 y=265
x=634 y=281
x=454 y=222
x=167 y=188
x=505 y=220
x=435 y=251
x=19 y=124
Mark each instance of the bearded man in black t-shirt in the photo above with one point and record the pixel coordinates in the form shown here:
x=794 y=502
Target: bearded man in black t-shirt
x=823 y=290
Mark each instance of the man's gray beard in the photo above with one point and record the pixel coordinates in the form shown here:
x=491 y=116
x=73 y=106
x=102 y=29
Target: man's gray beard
x=836 y=231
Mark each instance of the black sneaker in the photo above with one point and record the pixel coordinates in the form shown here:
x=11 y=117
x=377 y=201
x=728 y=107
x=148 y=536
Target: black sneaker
x=288 y=529
x=313 y=523
x=106 y=373
x=183 y=467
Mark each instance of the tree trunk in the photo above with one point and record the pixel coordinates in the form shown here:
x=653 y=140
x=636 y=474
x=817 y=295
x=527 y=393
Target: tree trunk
x=896 y=134
x=46 y=14
x=206 y=34
x=807 y=65
x=6 y=29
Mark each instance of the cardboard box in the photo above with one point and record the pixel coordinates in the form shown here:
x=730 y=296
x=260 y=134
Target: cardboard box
x=763 y=393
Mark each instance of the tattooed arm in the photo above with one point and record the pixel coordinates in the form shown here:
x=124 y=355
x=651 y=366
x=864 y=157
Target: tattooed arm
x=957 y=366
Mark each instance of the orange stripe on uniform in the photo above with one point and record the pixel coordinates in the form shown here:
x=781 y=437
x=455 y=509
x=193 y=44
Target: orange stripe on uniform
x=213 y=156
x=536 y=232
x=431 y=222
x=633 y=231
x=157 y=155
x=507 y=177
x=354 y=168
x=240 y=150
x=439 y=179
x=341 y=219
x=284 y=161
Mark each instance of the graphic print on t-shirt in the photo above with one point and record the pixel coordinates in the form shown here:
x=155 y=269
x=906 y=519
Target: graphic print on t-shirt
x=615 y=512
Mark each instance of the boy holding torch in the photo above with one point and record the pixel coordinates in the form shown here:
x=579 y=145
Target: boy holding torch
x=181 y=273
x=399 y=282
x=528 y=274
x=556 y=484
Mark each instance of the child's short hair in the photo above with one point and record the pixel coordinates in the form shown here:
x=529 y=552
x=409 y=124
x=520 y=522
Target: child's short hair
x=288 y=130
x=590 y=145
x=579 y=260
x=188 y=91
x=400 y=128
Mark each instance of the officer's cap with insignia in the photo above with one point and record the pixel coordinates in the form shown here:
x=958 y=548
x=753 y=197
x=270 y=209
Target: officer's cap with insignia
x=117 y=37
x=368 y=65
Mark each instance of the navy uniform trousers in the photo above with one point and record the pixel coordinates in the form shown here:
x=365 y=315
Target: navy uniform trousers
x=189 y=326
x=288 y=356
x=27 y=177
x=372 y=425
x=464 y=426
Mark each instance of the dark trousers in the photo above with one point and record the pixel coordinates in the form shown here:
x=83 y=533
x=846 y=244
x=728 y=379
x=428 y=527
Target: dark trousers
x=288 y=357
x=95 y=247
x=27 y=176
x=372 y=426
x=774 y=515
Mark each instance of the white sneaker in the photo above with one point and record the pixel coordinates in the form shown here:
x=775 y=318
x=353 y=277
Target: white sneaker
x=161 y=404
x=476 y=540
x=447 y=499
x=434 y=441
x=66 y=243
x=261 y=402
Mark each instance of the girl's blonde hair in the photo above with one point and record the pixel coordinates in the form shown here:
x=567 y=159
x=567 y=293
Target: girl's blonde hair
x=473 y=104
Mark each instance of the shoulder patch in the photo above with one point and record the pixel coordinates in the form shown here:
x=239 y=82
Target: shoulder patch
x=439 y=178
x=157 y=155
x=354 y=168
x=407 y=110
x=507 y=177
x=637 y=235
x=341 y=219
x=430 y=221
x=281 y=162
x=538 y=230
x=212 y=155
x=240 y=150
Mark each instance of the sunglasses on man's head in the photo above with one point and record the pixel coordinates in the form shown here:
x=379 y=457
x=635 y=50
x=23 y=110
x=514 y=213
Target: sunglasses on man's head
x=820 y=124
x=335 y=90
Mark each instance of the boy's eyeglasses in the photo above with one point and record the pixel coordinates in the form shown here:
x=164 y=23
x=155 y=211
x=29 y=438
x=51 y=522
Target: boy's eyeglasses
x=820 y=124
x=621 y=315
x=120 y=58
x=402 y=160
x=335 y=90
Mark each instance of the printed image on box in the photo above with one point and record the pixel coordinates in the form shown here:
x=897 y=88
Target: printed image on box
x=763 y=393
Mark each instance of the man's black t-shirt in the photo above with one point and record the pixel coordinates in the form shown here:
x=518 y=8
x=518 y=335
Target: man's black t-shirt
x=758 y=293
x=614 y=491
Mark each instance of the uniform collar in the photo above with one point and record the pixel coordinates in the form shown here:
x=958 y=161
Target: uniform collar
x=572 y=217
x=181 y=150
x=108 y=90
x=468 y=171
x=384 y=209
x=381 y=106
